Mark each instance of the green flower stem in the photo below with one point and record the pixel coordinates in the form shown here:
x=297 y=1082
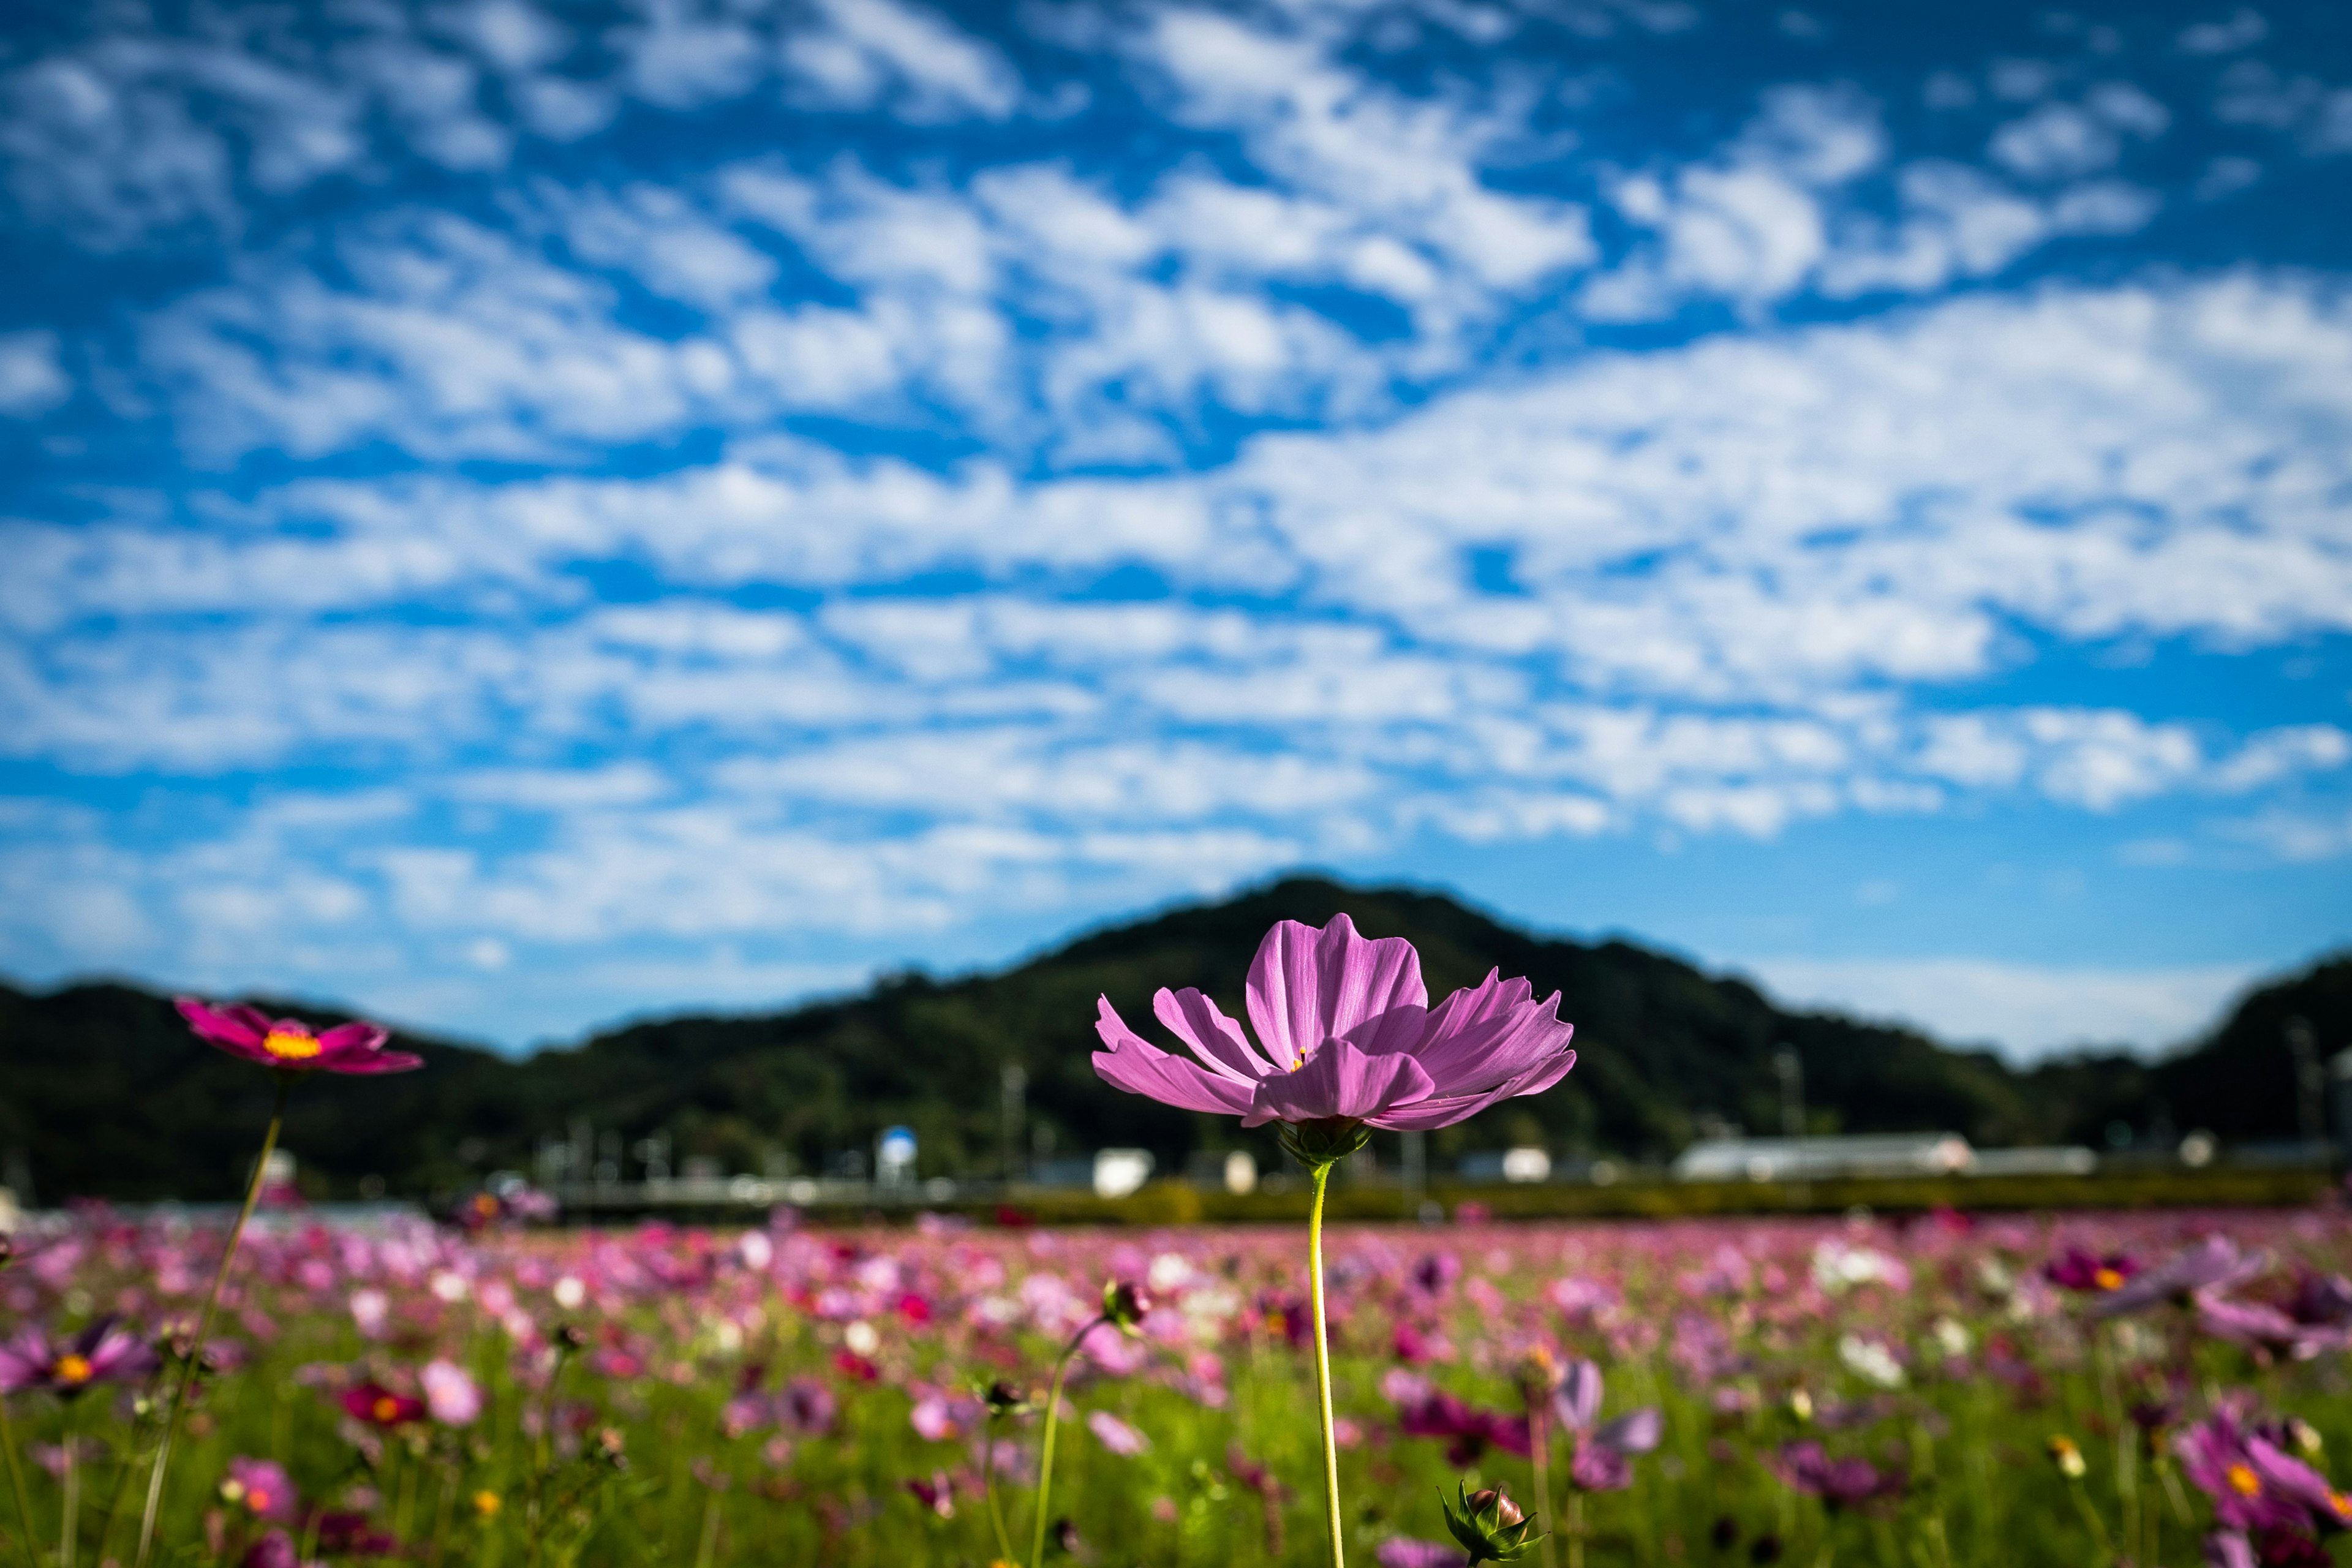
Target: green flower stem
x=1539 y=1456
x=68 y=1532
x=988 y=1488
x=203 y=1327
x=1322 y=1173
x=16 y=1485
x=1045 y=1446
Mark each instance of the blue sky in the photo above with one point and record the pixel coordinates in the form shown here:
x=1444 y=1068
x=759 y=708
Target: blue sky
x=517 y=516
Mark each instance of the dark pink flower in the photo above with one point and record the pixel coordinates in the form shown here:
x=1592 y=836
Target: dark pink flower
x=1807 y=1467
x=379 y=1406
x=2075 y=1270
x=937 y=1494
x=290 y=1045
x=99 y=1353
x=1345 y=1033
x=1470 y=1431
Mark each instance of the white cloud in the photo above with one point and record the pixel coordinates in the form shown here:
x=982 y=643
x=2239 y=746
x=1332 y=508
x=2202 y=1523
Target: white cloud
x=866 y=47
x=2244 y=28
x=32 y=382
x=2028 y=1011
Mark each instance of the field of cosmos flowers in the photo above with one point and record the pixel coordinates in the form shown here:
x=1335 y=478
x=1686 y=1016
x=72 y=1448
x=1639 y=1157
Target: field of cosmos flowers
x=1921 y=1392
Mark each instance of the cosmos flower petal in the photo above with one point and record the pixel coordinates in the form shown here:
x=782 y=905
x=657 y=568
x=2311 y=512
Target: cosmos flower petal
x=1306 y=986
x=1340 y=1080
x=1501 y=1045
x=356 y=1036
x=1137 y=1066
x=240 y=1030
x=371 y=1061
x=1217 y=1040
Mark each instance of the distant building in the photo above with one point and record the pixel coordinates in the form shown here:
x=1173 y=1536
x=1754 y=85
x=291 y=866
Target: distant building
x=1872 y=1154
x=1820 y=1159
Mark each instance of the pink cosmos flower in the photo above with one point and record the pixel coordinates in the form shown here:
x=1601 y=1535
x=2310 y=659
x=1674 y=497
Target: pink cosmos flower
x=1404 y=1551
x=2214 y=1264
x=1345 y=1032
x=1115 y=1435
x=450 y=1393
x=290 y=1045
x=262 y=1489
x=99 y=1353
x=1604 y=1451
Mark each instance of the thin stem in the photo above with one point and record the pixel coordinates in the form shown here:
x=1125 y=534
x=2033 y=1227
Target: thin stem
x=67 y=1531
x=16 y=1485
x=1540 y=1447
x=709 y=1546
x=1045 y=1446
x=988 y=1489
x=203 y=1327
x=1323 y=1368
x=1575 y=1529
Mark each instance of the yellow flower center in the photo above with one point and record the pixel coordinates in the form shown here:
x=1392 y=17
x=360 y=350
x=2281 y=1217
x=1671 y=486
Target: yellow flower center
x=2107 y=1280
x=2341 y=1503
x=2243 y=1481
x=73 y=1369
x=291 y=1045
x=257 y=1501
x=385 y=1407
x=485 y=1503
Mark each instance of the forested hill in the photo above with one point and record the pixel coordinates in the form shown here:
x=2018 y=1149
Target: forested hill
x=104 y=1089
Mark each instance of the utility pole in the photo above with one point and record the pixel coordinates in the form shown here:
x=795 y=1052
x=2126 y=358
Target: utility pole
x=1791 y=1070
x=2310 y=1081
x=1013 y=1092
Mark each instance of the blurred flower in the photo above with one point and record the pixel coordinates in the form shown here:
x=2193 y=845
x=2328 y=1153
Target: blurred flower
x=1348 y=1036
x=1871 y=1360
x=2255 y=1484
x=2067 y=1455
x=262 y=1489
x=2075 y=1270
x=2213 y=1264
x=1404 y=1551
x=1807 y=1467
x=100 y=1353
x=1470 y=1432
x=936 y=1494
x=1601 y=1463
x=377 y=1405
x=450 y=1393
x=288 y=1045
x=1115 y=1435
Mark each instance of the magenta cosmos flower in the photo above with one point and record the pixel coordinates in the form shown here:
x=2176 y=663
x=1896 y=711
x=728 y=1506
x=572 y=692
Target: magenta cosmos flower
x=1345 y=1033
x=99 y=1353
x=289 y=1044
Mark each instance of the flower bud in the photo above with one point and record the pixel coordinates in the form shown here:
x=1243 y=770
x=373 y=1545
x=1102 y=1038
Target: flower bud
x=571 y=1337
x=1801 y=1405
x=1489 y=1525
x=1004 y=1398
x=2067 y=1457
x=1124 y=1302
x=2305 y=1436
